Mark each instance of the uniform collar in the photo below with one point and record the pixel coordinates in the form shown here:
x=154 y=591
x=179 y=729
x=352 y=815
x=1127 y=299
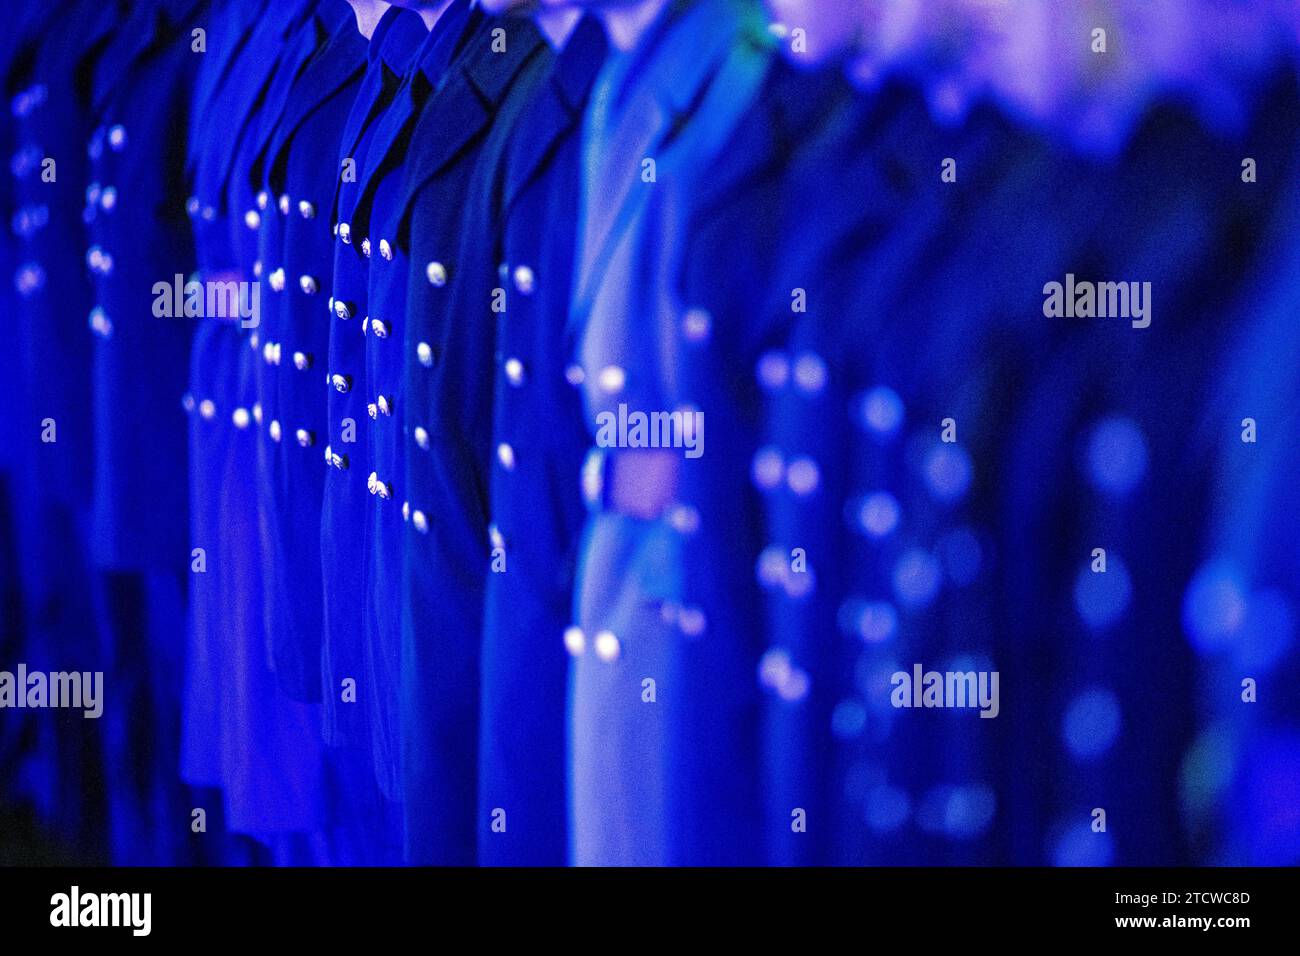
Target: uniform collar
x=396 y=39
x=447 y=38
x=577 y=63
x=336 y=15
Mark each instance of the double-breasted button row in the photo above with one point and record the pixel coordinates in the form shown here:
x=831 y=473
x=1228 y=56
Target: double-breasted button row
x=114 y=136
x=25 y=161
x=197 y=209
x=605 y=643
x=777 y=369
x=383 y=405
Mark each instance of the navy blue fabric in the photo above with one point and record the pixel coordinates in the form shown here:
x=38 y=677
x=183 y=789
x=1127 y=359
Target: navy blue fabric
x=537 y=412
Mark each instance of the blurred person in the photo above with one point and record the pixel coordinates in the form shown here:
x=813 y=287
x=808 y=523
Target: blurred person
x=296 y=161
x=526 y=201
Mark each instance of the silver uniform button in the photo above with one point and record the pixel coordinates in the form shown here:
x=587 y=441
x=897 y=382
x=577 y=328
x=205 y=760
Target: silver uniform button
x=607 y=646
x=611 y=379
x=95 y=256
x=305 y=438
x=241 y=417
x=424 y=352
x=365 y=247
x=421 y=437
x=307 y=284
x=378 y=487
x=436 y=273
x=117 y=137
x=385 y=249
x=252 y=219
x=345 y=233
x=385 y=404
x=379 y=327
x=506 y=455
x=301 y=361
x=524 y=280
x=306 y=209
x=344 y=310
x=341 y=383
x=696 y=324
x=263 y=199
x=274 y=430
x=276 y=279
x=420 y=522
x=207 y=408
x=108 y=198
x=284 y=204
